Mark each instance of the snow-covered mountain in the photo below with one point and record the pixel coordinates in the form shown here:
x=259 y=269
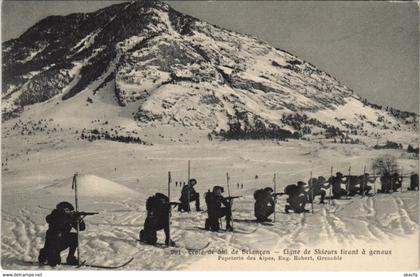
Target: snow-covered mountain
x=143 y=64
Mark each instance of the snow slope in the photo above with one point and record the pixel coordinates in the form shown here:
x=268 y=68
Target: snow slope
x=110 y=239
x=90 y=185
x=111 y=236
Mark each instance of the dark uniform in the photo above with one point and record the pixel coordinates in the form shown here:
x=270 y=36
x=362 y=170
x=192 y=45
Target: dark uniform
x=364 y=180
x=264 y=204
x=297 y=198
x=318 y=185
x=353 y=186
x=396 y=181
x=158 y=208
x=336 y=182
x=386 y=183
x=59 y=236
x=414 y=182
x=188 y=194
x=214 y=201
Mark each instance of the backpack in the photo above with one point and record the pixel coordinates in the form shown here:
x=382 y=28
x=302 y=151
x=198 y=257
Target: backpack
x=209 y=196
x=259 y=193
x=157 y=202
x=290 y=189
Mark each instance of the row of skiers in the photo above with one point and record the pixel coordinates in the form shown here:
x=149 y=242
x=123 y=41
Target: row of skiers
x=158 y=211
x=218 y=206
x=64 y=218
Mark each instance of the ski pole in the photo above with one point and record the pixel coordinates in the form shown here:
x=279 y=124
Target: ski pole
x=402 y=176
x=189 y=170
x=330 y=199
x=188 y=183
x=227 y=182
x=364 y=179
x=348 y=184
x=231 y=200
x=312 y=193
x=170 y=208
x=275 y=198
x=374 y=184
x=74 y=186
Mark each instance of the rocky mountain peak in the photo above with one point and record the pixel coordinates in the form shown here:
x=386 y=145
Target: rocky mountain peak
x=164 y=67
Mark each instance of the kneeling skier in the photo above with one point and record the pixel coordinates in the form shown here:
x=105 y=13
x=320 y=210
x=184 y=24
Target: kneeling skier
x=414 y=182
x=317 y=186
x=158 y=213
x=59 y=236
x=386 y=183
x=396 y=181
x=214 y=201
x=188 y=194
x=336 y=182
x=264 y=204
x=297 y=198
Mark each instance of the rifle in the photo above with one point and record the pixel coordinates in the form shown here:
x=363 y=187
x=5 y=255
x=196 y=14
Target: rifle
x=81 y=215
x=232 y=197
x=277 y=194
x=85 y=213
x=174 y=204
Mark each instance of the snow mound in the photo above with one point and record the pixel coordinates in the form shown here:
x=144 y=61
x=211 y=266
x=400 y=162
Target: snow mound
x=94 y=186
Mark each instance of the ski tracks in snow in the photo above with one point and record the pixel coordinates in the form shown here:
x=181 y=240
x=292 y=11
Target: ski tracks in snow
x=22 y=236
x=111 y=237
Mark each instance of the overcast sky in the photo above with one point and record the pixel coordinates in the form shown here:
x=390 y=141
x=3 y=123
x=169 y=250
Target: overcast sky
x=371 y=47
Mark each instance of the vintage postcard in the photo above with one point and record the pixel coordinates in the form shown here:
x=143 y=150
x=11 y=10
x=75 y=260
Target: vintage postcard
x=210 y=135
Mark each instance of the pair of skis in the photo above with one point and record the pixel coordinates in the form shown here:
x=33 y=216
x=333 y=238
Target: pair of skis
x=164 y=246
x=85 y=264
x=225 y=231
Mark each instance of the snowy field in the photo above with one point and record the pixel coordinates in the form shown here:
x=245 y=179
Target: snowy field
x=117 y=178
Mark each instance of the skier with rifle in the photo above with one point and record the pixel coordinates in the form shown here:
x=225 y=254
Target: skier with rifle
x=319 y=188
x=158 y=208
x=414 y=182
x=214 y=201
x=396 y=181
x=264 y=204
x=297 y=198
x=386 y=183
x=364 y=180
x=188 y=194
x=59 y=236
x=353 y=186
x=336 y=182
x=359 y=184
